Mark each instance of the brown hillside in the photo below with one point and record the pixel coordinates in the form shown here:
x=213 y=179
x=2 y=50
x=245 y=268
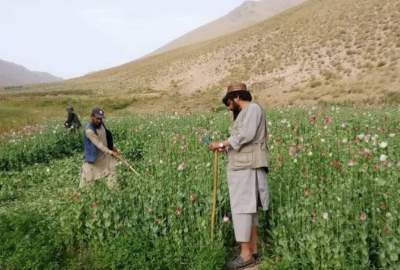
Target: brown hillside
x=247 y=14
x=323 y=51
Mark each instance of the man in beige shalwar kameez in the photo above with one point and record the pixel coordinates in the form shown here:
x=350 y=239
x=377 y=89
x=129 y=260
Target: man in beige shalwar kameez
x=247 y=170
x=99 y=152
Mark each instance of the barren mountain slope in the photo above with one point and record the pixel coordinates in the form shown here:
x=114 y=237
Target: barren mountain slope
x=249 y=13
x=342 y=51
x=12 y=75
x=333 y=51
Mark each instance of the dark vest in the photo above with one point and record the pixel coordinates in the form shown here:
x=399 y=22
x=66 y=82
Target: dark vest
x=91 y=149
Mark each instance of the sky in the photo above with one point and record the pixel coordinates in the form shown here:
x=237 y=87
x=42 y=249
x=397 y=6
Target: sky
x=70 y=38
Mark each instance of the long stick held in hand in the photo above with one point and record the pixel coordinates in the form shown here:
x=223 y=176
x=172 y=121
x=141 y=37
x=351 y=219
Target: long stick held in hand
x=214 y=196
x=127 y=164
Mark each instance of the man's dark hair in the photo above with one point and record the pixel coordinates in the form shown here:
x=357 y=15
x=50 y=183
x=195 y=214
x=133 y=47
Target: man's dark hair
x=242 y=94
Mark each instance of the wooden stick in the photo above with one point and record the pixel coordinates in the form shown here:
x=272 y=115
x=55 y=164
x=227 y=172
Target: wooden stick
x=127 y=164
x=214 y=195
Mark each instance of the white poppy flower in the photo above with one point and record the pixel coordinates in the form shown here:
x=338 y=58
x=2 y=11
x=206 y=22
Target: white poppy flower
x=383 y=145
x=361 y=136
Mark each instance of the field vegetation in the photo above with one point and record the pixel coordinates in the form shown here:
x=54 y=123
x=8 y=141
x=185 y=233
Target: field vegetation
x=334 y=183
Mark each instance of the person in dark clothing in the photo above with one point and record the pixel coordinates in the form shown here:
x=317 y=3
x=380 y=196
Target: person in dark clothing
x=72 y=123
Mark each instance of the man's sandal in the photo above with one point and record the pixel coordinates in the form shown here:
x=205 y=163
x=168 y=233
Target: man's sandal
x=257 y=257
x=239 y=263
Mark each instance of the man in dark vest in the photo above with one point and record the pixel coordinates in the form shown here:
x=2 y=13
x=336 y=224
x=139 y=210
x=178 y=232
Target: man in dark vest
x=99 y=152
x=72 y=123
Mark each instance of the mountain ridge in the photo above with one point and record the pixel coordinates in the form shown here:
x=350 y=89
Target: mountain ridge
x=12 y=74
x=245 y=15
x=319 y=51
x=343 y=52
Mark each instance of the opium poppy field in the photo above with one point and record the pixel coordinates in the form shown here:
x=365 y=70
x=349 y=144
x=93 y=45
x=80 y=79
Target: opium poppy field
x=334 y=182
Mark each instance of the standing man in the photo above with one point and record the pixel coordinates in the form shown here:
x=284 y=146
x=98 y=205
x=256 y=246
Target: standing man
x=72 y=121
x=99 y=152
x=247 y=170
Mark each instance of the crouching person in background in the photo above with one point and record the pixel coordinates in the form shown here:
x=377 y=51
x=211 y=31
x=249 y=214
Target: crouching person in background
x=99 y=152
x=72 y=123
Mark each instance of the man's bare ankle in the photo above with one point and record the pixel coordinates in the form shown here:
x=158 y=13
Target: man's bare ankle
x=246 y=256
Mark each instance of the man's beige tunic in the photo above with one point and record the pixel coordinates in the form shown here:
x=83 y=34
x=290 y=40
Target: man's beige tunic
x=247 y=161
